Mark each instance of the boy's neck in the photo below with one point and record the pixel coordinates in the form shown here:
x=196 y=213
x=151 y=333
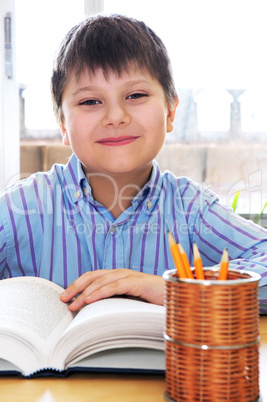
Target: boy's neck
x=116 y=192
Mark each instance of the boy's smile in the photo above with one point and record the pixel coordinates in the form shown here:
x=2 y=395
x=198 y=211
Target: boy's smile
x=117 y=141
x=116 y=125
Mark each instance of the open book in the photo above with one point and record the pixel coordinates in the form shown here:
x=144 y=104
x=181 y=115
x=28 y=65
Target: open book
x=39 y=333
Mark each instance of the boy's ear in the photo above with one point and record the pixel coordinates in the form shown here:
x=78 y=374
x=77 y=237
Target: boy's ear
x=64 y=133
x=171 y=115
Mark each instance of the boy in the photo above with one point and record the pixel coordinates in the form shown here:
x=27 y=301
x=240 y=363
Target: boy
x=98 y=226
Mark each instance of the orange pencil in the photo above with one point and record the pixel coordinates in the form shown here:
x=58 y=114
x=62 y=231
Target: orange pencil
x=198 y=263
x=186 y=264
x=223 y=275
x=178 y=262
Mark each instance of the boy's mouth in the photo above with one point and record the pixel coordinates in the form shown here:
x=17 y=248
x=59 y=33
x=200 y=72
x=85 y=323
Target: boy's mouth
x=117 y=141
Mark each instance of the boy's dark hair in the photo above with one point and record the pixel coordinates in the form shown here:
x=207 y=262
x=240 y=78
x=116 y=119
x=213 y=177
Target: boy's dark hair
x=110 y=43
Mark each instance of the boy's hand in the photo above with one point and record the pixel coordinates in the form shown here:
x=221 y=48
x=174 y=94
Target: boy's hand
x=101 y=284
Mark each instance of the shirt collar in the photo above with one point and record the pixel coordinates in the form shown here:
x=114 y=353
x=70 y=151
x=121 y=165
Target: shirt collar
x=78 y=187
x=150 y=192
x=75 y=180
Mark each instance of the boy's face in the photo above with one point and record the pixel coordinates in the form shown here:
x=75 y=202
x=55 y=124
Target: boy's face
x=115 y=125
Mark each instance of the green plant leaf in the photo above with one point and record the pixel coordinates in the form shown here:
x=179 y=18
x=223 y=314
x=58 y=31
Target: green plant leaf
x=260 y=215
x=235 y=201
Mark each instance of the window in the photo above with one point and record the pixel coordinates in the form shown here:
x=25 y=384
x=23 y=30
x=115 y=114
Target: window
x=40 y=27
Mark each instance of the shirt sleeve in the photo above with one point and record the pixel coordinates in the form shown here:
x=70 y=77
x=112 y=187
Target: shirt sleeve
x=217 y=228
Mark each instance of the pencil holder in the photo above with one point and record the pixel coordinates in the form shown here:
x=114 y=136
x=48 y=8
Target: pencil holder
x=212 y=337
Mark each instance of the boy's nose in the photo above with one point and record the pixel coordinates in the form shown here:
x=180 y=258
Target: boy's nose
x=116 y=115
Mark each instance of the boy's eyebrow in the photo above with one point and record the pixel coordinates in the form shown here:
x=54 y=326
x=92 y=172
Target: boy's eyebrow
x=84 y=89
x=94 y=88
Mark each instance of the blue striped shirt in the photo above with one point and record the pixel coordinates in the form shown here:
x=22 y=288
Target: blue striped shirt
x=51 y=226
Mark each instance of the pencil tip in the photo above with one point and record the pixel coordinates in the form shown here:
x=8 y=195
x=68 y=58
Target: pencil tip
x=196 y=253
x=225 y=255
x=170 y=238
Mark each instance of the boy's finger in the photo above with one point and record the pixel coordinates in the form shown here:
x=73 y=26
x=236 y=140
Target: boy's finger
x=94 y=280
x=111 y=289
x=111 y=278
x=121 y=287
x=77 y=304
x=80 y=284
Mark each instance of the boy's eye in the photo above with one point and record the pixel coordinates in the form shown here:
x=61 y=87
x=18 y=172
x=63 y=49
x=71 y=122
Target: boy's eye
x=90 y=102
x=136 y=96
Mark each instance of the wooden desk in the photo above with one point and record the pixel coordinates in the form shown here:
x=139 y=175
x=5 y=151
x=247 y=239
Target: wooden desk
x=104 y=388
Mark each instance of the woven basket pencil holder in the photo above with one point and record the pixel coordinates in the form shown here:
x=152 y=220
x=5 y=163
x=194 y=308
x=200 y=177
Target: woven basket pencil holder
x=212 y=337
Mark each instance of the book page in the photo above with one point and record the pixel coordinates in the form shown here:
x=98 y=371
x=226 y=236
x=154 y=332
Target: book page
x=120 y=320
x=31 y=307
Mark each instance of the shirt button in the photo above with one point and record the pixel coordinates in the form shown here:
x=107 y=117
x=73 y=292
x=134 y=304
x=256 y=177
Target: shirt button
x=149 y=204
x=77 y=194
x=85 y=191
x=113 y=229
